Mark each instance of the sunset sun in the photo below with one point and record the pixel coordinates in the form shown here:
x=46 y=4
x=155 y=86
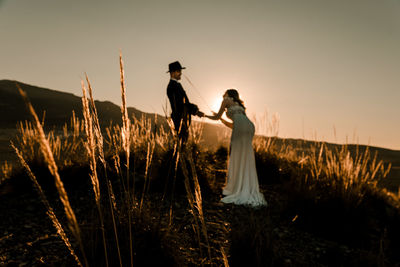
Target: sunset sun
x=216 y=103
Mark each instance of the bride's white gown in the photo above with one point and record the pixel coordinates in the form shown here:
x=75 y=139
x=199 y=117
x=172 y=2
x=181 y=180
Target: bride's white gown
x=242 y=183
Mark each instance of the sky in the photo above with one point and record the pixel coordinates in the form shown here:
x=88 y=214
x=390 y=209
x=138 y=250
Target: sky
x=326 y=70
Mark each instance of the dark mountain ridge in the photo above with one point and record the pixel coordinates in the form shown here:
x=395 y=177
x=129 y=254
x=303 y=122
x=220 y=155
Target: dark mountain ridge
x=56 y=105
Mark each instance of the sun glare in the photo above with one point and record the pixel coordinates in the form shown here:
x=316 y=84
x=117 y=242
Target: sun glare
x=216 y=103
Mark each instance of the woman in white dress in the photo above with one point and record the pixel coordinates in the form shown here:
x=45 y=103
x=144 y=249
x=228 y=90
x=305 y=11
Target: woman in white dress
x=242 y=182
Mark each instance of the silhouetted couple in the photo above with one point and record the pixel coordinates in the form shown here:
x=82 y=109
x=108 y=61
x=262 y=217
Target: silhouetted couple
x=242 y=182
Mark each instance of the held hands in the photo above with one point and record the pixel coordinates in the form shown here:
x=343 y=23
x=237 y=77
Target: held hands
x=212 y=117
x=200 y=114
x=216 y=117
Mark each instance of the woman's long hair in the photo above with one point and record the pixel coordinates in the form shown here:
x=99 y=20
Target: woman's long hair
x=233 y=93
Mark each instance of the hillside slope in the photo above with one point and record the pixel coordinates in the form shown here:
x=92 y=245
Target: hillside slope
x=58 y=106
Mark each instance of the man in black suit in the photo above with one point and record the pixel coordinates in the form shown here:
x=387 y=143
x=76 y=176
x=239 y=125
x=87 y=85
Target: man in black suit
x=182 y=109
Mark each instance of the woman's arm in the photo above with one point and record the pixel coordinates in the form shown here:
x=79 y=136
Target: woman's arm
x=218 y=115
x=227 y=123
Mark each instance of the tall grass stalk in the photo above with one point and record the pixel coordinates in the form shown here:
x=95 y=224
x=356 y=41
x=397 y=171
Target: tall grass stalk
x=176 y=156
x=126 y=143
x=199 y=202
x=224 y=257
x=113 y=206
x=49 y=209
x=100 y=148
x=52 y=166
x=195 y=201
x=190 y=197
x=149 y=158
x=91 y=150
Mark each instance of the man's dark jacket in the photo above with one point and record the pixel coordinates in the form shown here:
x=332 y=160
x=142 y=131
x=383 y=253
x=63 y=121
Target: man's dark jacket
x=182 y=109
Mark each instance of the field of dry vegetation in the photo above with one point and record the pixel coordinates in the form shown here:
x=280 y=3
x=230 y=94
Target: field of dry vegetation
x=129 y=195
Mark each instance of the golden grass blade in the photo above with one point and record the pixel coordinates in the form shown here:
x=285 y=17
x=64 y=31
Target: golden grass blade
x=199 y=202
x=100 y=149
x=113 y=206
x=94 y=143
x=97 y=129
x=191 y=199
x=126 y=143
x=224 y=257
x=49 y=209
x=90 y=145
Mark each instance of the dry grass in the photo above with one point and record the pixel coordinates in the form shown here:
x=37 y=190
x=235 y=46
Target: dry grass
x=130 y=155
x=6 y=171
x=94 y=147
x=50 y=211
x=345 y=173
x=67 y=147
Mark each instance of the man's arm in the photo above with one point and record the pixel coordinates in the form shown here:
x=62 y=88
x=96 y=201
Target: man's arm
x=191 y=108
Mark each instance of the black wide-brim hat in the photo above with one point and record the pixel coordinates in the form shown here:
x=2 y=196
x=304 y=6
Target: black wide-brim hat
x=175 y=66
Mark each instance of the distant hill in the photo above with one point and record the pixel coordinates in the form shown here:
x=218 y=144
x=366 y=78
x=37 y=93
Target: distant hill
x=58 y=106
